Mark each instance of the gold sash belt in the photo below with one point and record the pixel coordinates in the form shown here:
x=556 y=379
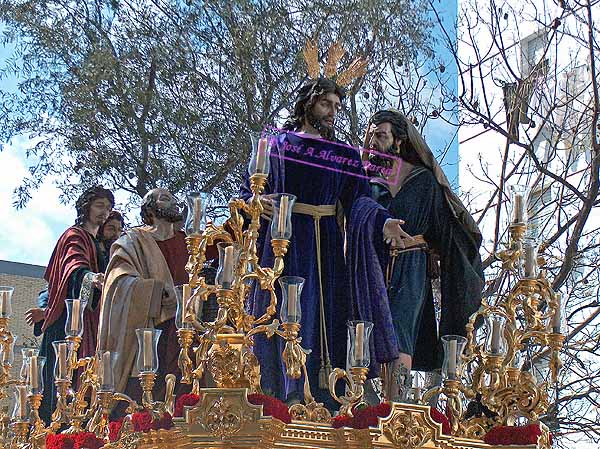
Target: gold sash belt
x=325 y=210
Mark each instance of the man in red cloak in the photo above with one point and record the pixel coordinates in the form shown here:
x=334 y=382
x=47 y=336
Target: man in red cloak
x=75 y=270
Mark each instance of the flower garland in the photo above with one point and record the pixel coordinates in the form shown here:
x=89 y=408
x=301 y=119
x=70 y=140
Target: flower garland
x=271 y=406
x=363 y=417
x=507 y=435
x=82 y=440
x=189 y=399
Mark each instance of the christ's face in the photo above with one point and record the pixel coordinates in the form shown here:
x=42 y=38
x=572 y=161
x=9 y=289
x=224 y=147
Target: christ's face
x=324 y=111
x=99 y=210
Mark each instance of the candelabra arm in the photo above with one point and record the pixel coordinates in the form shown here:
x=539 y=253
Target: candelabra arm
x=355 y=390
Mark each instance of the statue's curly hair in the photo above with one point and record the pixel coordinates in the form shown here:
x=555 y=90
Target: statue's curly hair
x=85 y=200
x=307 y=97
x=400 y=131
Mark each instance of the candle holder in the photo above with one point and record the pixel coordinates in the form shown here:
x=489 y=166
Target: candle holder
x=25 y=354
x=20 y=431
x=185 y=339
x=7 y=349
x=260 y=163
x=518 y=198
x=291 y=290
x=196 y=217
x=106 y=361
x=74 y=324
x=454 y=346
x=35 y=400
x=359 y=334
x=495 y=342
x=281 y=224
x=147 y=361
x=355 y=387
x=529 y=264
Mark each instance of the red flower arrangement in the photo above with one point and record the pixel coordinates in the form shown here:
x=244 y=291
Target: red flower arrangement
x=439 y=417
x=114 y=427
x=189 y=399
x=363 y=417
x=144 y=422
x=271 y=406
x=507 y=435
x=82 y=440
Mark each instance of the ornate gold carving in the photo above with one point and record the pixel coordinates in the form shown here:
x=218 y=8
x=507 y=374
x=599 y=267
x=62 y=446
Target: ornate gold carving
x=407 y=429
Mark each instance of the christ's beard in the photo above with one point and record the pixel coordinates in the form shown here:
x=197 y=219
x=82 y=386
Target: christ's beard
x=327 y=132
x=172 y=214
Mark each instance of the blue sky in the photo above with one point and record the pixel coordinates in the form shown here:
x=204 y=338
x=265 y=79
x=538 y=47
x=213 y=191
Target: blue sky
x=28 y=235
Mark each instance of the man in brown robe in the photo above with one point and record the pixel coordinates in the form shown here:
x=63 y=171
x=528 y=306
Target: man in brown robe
x=139 y=291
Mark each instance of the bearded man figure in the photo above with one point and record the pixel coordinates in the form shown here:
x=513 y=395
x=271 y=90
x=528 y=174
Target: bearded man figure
x=139 y=292
x=332 y=198
x=440 y=227
x=75 y=270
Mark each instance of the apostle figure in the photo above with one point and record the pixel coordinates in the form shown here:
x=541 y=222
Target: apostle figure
x=325 y=190
x=139 y=292
x=110 y=231
x=75 y=270
x=439 y=224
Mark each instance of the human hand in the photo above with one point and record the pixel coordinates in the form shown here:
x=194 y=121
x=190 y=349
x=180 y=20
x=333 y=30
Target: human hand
x=34 y=315
x=393 y=233
x=98 y=280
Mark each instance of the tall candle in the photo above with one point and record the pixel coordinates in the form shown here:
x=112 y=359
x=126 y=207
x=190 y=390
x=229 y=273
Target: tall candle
x=197 y=214
x=106 y=369
x=76 y=306
x=452 y=348
x=228 y=267
x=22 y=389
x=148 y=349
x=519 y=209
x=283 y=209
x=33 y=372
x=186 y=293
x=62 y=360
x=530 y=262
x=292 y=297
x=261 y=155
x=4 y=305
x=557 y=317
x=495 y=337
x=359 y=342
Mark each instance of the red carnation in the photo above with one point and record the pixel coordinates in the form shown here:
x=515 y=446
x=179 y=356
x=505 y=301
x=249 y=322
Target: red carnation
x=114 y=427
x=341 y=421
x=142 y=421
x=271 y=406
x=507 y=435
x=439 y=417
x=383 y=409
x=87 y=440
x=164 y=422
x=59 y=441
x=189 y=399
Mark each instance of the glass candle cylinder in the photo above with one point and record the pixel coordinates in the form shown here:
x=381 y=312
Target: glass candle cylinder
x=7 y=352
x=454 y=346
x=495 y=343
x=64 y=352
x=6 y=301
x=195 y=222
x=359 y=334
x=106 y=364
x=75 y=310
x=291 y=289
x=518 y=199
x=281 y=224
x=147 y=356
x=21 y=408
x=184 y=313
x=35 y=374
x=26 y=353
x=229 y=257
x=557 y=322
x=261 y=152
x=529 y=265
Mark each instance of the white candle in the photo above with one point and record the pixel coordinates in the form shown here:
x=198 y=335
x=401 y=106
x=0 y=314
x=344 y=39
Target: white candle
x=530 y=263
x=22 y=389
x=283 y=208
x=186 y=293
x=359 y=342
x=33 y=372
x=519 y=209
x=557 y=317
x=197 y=214
x=62 y=360
x=261 y=155
x=292 y=292
x=106 y=369
x=4 y=305
x=76 y=306
x=495 y=337
x=452 y=348
x=148 y=349
x=228 y=267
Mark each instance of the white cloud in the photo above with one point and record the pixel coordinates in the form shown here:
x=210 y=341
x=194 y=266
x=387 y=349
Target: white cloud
x=28 y=235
